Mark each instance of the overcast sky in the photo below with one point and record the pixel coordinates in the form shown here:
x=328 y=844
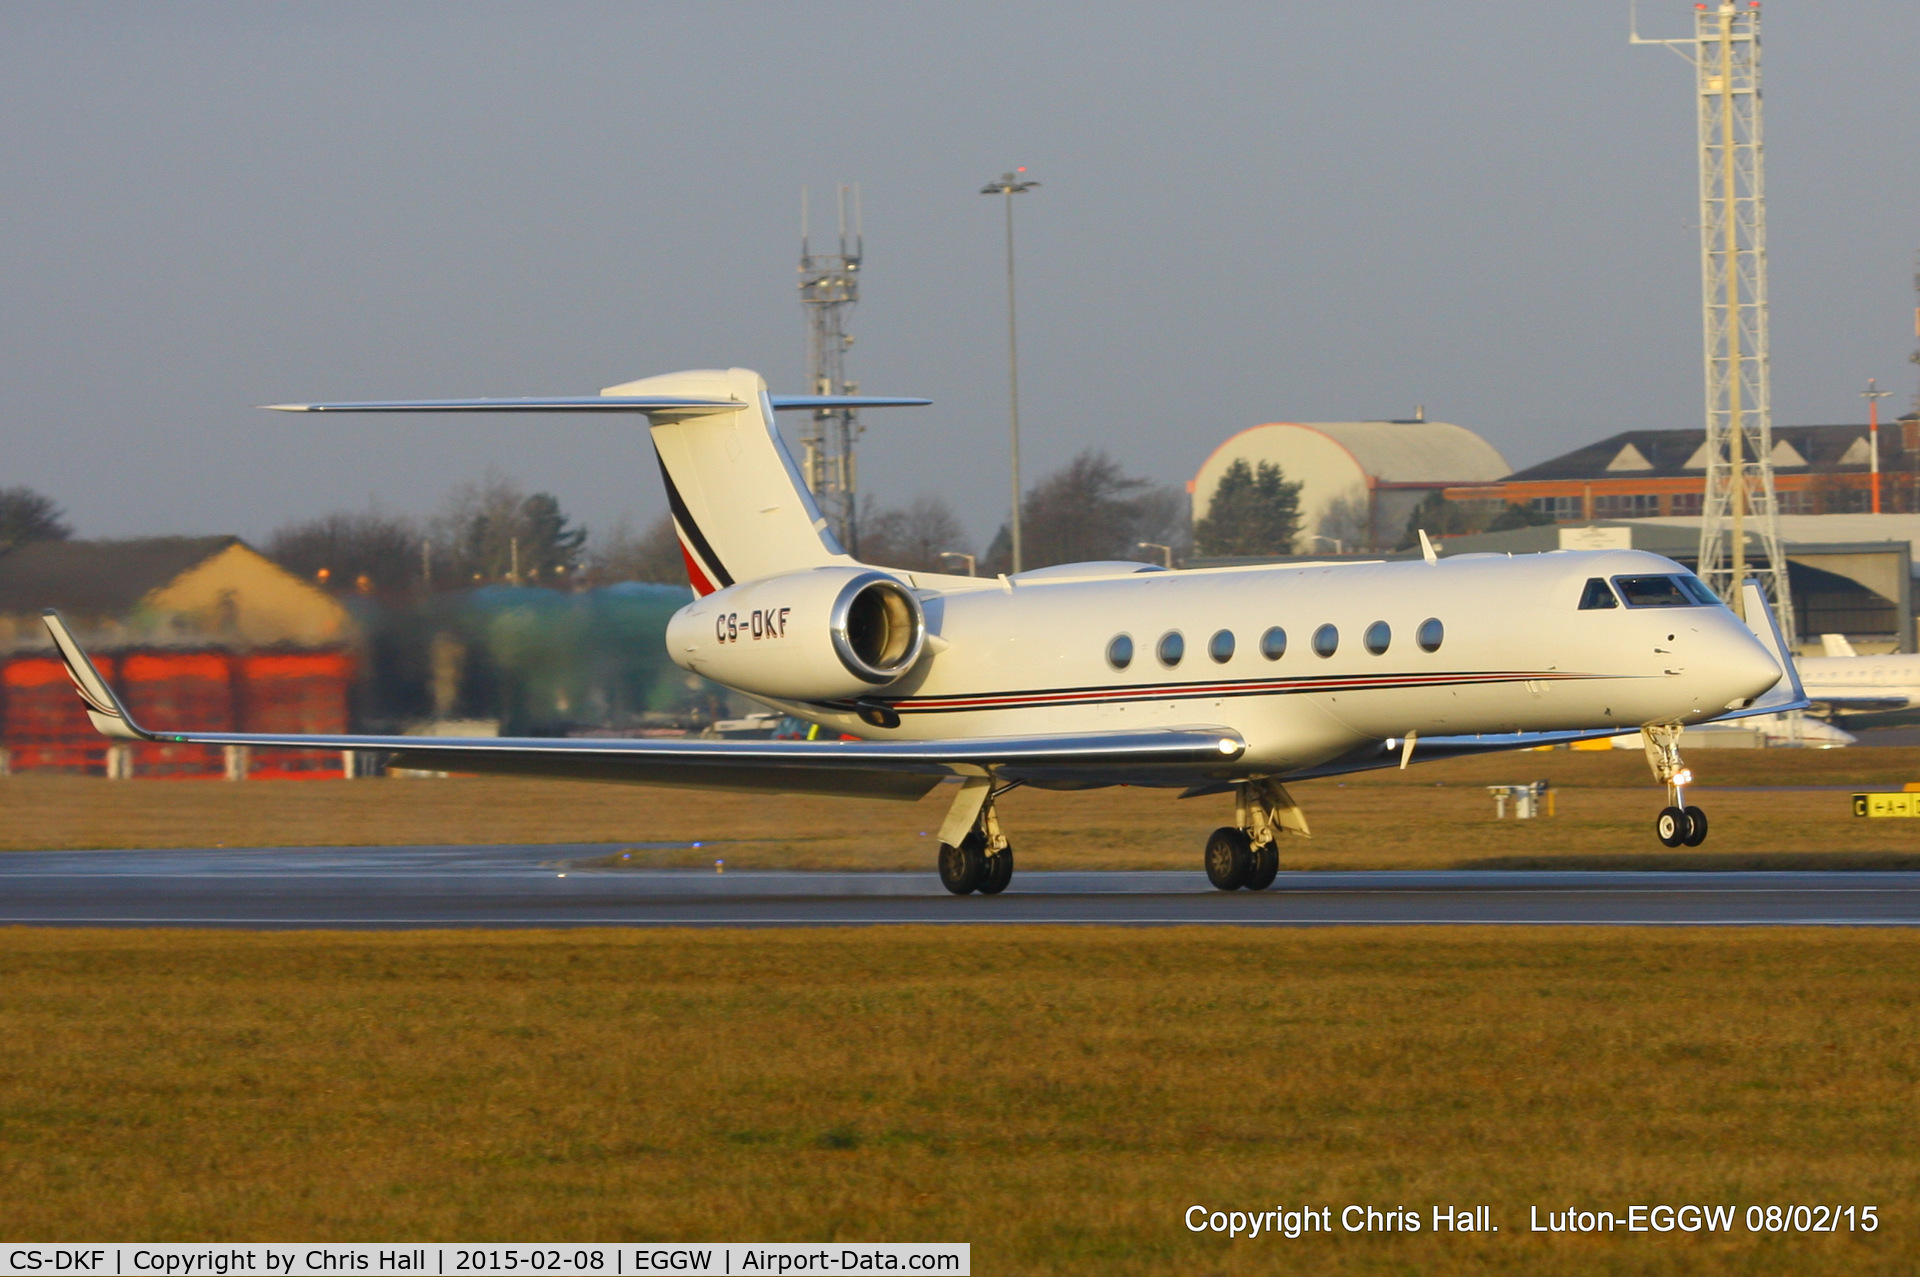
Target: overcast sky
x=1280 y=211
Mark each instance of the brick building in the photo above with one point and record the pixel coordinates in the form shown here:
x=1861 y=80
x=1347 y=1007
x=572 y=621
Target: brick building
x=1653 y=473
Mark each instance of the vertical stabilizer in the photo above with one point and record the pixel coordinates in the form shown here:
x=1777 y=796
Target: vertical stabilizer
x=739 y=506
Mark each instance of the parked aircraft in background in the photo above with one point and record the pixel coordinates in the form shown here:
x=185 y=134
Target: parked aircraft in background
x=1232 y=680
x=1843 y=681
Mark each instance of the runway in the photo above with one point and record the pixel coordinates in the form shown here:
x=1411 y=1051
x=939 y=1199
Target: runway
x=549 y=886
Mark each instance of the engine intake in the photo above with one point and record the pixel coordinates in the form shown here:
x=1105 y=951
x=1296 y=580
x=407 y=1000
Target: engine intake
x=878 y=628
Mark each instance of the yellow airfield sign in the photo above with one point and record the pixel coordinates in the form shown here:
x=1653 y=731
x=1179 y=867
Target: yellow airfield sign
x=1886 y=804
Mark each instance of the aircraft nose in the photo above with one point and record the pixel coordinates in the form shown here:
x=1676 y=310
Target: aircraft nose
x=1748 y=668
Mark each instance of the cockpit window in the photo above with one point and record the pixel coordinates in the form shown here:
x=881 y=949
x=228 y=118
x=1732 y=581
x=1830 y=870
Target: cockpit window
x=1597 y=595
x=1698 y=589
x=1654 y=591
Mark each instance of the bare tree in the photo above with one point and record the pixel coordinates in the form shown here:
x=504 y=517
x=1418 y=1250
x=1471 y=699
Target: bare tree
x=1090 y=509
x=369 y=552
x=1344 y=519
x=26 y=515
x=494 y=530
x=913 y=537
x=625 y=555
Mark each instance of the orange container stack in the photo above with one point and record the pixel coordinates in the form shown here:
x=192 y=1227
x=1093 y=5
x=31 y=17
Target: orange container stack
x=46 y=727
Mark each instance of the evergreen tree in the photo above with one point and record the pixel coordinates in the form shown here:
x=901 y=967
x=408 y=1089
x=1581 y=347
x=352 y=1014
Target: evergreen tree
x=1253 y=511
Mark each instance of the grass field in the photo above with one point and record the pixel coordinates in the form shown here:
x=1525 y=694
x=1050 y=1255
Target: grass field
x=1429 y=816
x=1057 y=1097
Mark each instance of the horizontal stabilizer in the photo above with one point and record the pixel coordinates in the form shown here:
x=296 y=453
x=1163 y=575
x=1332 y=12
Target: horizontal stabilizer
x=653 y=405
x=533 y=403
x=795 y=403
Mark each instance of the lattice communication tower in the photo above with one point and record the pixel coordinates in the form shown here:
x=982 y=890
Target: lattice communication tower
x=1740 y=499
x=829 y=287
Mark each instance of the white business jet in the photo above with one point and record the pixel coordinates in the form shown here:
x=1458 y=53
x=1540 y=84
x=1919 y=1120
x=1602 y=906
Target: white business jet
x=1843 y=681
x=1220 y=680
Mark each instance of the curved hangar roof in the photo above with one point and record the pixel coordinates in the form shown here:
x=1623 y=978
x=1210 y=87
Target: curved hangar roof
x=1334 y=459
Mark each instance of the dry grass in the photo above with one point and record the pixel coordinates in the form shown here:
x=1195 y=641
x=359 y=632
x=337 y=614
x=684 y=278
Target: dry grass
x=1056 y=1097
x=1427 y=817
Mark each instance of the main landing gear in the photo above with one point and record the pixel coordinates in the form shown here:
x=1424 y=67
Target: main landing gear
x=1677 y=824
x=1247 y=852
x=974 y=854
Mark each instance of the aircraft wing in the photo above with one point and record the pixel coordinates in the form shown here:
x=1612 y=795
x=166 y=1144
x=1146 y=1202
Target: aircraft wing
x=878 y=769
x=1859 y=704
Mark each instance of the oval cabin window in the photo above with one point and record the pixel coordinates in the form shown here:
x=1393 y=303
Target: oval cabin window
x=1326 y=641
x=1120 y=651
x=1273 y=644
x=1172 y=647
x=1220 y=647
x=1378 y=638
x=1430 y=634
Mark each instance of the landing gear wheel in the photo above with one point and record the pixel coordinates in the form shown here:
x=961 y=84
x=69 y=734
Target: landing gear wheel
x=963 y=868
x=1696 y=827
x=1229 y=858
x=1266 y=866
x=998 y=873
x=1673 y=826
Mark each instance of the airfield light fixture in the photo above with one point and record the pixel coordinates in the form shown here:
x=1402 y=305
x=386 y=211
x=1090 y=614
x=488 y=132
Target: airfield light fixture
x=1008 y=185
x=1166 y=551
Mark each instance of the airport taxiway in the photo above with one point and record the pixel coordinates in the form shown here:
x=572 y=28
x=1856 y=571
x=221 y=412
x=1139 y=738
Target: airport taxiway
x=552 y=886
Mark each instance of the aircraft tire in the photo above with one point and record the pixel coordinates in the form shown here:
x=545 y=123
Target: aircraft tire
x=1266 y=867
x=1672 y=826
x=1229 y=858
x=998 y=873
x=1696 y=827
x=963 y=867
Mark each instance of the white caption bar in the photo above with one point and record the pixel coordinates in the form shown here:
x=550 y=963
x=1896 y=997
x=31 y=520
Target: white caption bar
x=439 y=1259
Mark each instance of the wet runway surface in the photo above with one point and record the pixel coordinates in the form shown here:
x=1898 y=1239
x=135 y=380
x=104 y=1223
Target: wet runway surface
x=547 y=886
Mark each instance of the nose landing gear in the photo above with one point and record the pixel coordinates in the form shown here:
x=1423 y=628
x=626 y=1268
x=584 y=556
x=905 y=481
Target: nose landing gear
x=1247 y=852
x=1677 y=824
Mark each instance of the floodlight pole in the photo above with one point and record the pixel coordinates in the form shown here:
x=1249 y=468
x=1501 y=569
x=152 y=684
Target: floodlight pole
x=1010 y=185
x=1873 y=395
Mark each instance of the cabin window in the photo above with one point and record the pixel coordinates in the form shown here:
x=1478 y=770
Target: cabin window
x=1273 y=644
x=1431 y=634
x=1172 y=647
x=1326 y=641
x=1653 y=591
x=1597 y=595
x=1220 y=646
x=1120 y=651
x=1378 y=636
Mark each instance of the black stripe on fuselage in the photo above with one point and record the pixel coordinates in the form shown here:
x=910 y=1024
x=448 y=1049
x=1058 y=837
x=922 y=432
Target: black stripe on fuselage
x=684 y=517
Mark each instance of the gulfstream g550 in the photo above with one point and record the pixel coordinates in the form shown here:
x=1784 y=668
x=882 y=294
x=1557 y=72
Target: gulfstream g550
x=1221 y=680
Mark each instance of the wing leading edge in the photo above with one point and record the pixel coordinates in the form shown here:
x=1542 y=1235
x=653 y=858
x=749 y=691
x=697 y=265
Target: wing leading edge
x=880 y=769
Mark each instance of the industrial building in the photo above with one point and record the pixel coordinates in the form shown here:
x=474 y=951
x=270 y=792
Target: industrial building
x=1651 y=473
x=200 y=632
x=1359 y=479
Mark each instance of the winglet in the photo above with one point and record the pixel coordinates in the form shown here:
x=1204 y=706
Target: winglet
x=110 y=717
x=1426 y=548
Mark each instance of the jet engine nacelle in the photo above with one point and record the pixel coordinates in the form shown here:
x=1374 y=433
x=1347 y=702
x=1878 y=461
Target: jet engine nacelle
x=826 y=634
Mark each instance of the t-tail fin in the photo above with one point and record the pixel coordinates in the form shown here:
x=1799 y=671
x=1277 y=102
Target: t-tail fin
x=739 y=506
